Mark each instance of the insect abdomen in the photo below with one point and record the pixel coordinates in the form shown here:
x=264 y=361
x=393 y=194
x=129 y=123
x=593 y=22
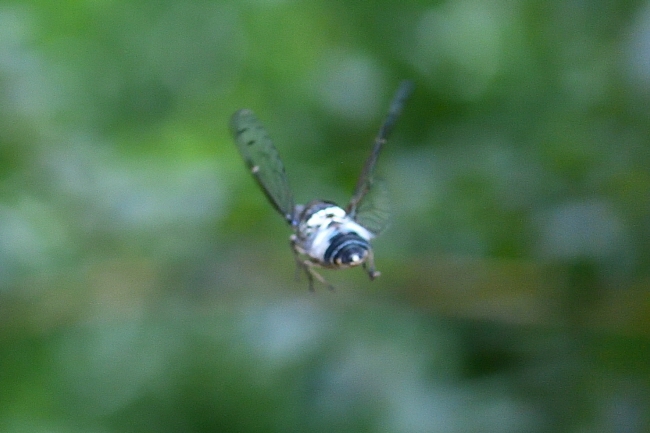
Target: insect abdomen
x=347 y=249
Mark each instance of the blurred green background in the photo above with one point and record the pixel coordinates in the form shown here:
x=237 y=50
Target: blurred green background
x=146 y=285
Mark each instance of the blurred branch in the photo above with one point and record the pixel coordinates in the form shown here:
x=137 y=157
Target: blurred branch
x=519 y=292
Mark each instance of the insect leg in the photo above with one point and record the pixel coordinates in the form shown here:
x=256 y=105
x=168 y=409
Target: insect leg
x=369 y=266
x=308 y=267
x=311 y=272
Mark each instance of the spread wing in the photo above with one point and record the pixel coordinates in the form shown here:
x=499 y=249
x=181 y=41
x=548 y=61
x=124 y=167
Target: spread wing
x=376 y=209
x=263 y=160
x=374 y=212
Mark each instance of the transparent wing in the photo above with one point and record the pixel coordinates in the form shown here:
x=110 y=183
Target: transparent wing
x=374 y=211
x=263 y=160
x=366 y=182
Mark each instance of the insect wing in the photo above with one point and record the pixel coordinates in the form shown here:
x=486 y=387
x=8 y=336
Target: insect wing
x=374 y=211
x=263 y=160
x=366 y=181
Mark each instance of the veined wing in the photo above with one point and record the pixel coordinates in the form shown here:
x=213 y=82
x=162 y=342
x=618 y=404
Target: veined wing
x=357 y=208
x=374 y=211
x=263 y=160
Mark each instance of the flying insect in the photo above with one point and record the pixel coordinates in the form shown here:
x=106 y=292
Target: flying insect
x=324 y=234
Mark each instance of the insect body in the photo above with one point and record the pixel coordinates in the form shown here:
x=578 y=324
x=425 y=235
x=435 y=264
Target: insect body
x=325 y=235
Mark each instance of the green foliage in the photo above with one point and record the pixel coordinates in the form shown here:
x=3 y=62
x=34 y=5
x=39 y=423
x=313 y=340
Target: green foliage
x=147 y=286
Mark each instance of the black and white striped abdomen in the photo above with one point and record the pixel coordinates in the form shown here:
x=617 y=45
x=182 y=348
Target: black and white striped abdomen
x=346 y=249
